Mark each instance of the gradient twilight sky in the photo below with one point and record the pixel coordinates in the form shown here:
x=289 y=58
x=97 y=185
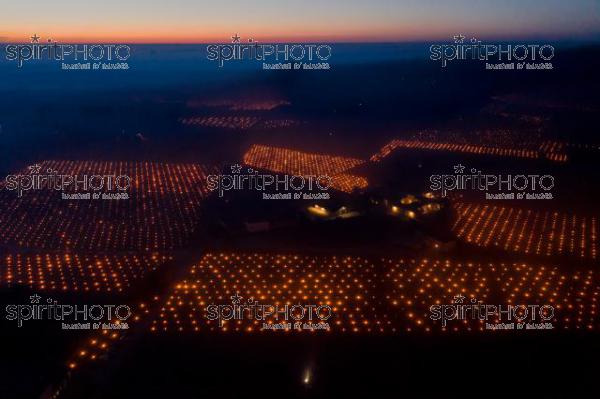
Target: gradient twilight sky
x=186 y=21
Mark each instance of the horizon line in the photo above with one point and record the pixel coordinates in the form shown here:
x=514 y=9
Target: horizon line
x=286 y=39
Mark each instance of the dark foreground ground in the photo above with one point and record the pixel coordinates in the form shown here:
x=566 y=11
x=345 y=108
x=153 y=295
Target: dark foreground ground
x=540 y=366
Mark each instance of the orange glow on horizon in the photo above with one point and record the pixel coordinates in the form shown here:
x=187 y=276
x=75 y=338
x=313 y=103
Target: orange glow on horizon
x=193 y=35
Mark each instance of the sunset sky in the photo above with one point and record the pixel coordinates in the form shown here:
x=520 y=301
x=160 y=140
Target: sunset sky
x=189 y=21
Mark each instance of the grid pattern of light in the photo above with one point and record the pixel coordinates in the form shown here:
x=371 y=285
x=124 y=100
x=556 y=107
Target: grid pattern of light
x=549 y=150
x=161 y=212
x=372 y=295
x=283 y=160
x=279 y=123
x=76 y=272
x=536 y=232
x=222 y=122
x=240 y=105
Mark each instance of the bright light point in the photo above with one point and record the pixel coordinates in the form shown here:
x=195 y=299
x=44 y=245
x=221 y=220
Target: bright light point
x=318 y=210
x=307 y=377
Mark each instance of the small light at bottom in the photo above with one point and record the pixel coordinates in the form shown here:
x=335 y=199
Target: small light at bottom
x=307 y=377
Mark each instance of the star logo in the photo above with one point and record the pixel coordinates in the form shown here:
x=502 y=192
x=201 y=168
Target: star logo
x=459 y=168
x=35 y=38
x=236 y=168
x=458 y=298
x=235 y=38
x=236 y=299
x=459 y=39
x=34 y=169
x=35 y=298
